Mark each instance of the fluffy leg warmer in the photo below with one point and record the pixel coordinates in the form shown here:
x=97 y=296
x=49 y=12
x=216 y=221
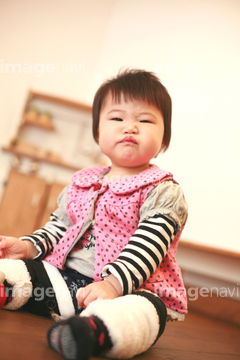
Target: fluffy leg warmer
x=119 y=328
x=17 y=275
x=133 y=323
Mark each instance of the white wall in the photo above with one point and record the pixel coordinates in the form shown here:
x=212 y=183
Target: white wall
x=193 y=46
x=54 y=48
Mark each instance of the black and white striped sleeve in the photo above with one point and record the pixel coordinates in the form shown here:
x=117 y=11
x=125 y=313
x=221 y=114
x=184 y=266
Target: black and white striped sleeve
x=143 y=253
x=47 y=237
x=162 y=216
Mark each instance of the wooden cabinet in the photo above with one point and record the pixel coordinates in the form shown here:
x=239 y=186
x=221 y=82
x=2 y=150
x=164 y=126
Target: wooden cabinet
x=26 y=204
x=52 y=194
x=55 y=136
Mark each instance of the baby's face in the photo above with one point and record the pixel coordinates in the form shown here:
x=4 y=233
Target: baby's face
x=130 y=133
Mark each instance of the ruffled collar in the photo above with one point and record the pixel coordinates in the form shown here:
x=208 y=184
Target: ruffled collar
x=89 y=177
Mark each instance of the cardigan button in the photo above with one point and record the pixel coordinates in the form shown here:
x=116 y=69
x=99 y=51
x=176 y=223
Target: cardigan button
x=97 y=186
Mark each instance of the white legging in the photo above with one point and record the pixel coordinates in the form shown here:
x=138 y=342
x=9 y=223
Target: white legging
x=134 y=321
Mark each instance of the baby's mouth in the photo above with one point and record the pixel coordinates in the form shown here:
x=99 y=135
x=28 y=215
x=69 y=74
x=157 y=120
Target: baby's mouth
x=129 y=139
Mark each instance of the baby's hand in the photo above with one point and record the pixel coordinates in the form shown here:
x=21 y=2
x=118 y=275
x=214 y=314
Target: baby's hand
x=97 y=290
x=14 y=248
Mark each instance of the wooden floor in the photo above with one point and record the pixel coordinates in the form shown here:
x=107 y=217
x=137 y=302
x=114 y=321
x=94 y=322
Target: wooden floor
x=23 y=336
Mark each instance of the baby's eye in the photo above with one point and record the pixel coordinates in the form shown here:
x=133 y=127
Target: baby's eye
x=116 y=119
x=146 y=121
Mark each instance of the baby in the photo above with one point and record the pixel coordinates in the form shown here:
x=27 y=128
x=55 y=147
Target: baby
x=105 y=262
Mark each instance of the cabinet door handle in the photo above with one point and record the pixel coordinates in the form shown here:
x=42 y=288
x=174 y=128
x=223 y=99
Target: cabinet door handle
x=35 y=200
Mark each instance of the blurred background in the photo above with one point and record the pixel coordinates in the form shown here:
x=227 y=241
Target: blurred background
x=68 y=48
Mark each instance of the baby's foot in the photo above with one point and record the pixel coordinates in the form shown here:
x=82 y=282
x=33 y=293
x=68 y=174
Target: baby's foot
x=79 y=337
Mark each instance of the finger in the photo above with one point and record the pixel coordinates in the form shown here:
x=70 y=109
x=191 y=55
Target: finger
x=92 y=296
x=80 y=295
x=2 y=277
x=85 y=296
x=3 y=243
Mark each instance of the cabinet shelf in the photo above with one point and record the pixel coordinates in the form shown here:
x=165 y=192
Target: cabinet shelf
x=55 y=131
x=39 y=122
x=41 y=157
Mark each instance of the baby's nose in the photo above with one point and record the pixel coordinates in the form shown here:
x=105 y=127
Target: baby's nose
x=131 y=128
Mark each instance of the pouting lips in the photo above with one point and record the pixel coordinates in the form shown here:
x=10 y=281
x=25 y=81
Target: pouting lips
x=128 y=139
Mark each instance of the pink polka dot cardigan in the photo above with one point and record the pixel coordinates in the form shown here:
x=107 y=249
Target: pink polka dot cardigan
x=112 y=209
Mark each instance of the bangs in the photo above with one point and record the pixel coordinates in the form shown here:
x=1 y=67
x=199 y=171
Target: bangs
x=134 y=88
